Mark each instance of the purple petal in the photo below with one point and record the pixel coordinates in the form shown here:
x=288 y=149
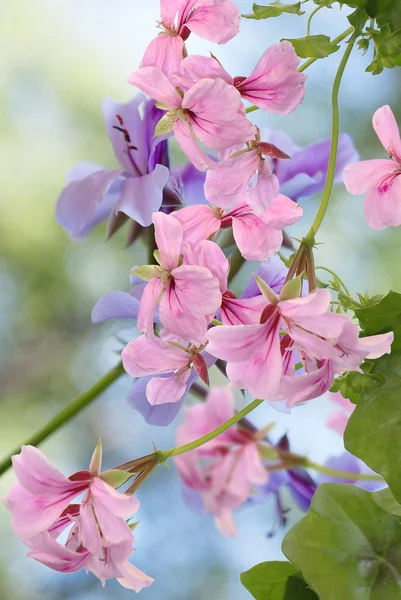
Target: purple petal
x=273 y=271
x=115 y=305
x=160 y=415
x=156 y=146
x=302 y=487
x=349 y=463
x=83 y=203
x=190 y=182
x=142 y=196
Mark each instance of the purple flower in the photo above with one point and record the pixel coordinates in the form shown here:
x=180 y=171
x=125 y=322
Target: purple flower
x=305 y=173
x=139 y=187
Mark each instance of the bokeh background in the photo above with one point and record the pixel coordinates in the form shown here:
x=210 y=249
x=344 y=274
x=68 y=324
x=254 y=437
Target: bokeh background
x=58 y=60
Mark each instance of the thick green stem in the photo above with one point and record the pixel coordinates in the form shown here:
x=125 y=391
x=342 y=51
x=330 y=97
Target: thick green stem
x=163 y=455
x=65 y=415
x=309 y=464
x=310 y=61
x=335 y=133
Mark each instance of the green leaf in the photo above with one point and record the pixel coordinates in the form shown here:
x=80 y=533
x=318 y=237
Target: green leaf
x=353 y=384
x=372 y=7
x=391 y=15
x=382 y=317
x=292 y=289
x=373 y=432
x=115 y=477
x=347 y=547
x=358 y=20
x=386 y=501
x=274 y=10
x=313 y=46
x=271 y=580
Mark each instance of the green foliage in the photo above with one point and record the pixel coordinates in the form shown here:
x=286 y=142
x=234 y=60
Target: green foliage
x=353 y=384
x=347 y=546
x=314 y=46
x=385 y=499
x=276 y=581
x=274 y=10
x=382 y=317
x=115 y=477
x=373 y=432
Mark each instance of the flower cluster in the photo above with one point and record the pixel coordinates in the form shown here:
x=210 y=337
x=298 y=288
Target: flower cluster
x=99 y=539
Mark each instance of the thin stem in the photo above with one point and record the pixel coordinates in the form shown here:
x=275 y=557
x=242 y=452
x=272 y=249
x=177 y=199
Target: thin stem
x=331 y=171
x=165 y=454
x=311 y=17
x=65 y=415
x=336 y=277
x=310 y=61
x=341 y=474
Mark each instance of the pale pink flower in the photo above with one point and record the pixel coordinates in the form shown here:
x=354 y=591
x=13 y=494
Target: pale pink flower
x=224 y=470
x=379 y=179
x=328 y=344
x=210 y=111
x=258 y=236
x=100 y=540
x=187 y=294
x=154 y=356
x=213 y=20
x=338 y=420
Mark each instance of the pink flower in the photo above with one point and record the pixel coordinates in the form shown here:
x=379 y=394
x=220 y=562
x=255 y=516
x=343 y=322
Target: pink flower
x=210 y=111
x=224 y=470
x=338 y=420
x=154 y=356
x=379 y=179
x=100 y=540
x=258 y=236
x=188 y=294
x=275 y=84
x=228 y=182
x=213 y=20
x=261 y=361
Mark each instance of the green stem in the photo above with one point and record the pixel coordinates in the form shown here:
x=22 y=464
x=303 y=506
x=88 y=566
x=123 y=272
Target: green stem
x=163 y=455
x=335 y=133
x=310 y=61
x=311 y=17
x=335 y=277
x=65 y=415
x=309 y=464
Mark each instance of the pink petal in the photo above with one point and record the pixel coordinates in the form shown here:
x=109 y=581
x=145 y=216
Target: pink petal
x=359 y=176
x=225 y=523
x=133 y=578
x=162 y=390
x=57 y=557
x=267 y=187
x=282 y=212
x=164 y=52
x=153 y=82
x=169 y=235
x=89 y=530
x=383 y=203
x=187 y=140
x=255 y=240
x=242 y=311
x=235 y=343
x=217 y=23
x=195 y=67
x=150 y=356
x=387 y=131
x=150 y=298
x=120 y=505
x=211 y=256
x=297 y=389
x=275 y=85
x=338 y=399
x=312 y=305
x=198 y=222
x=377 y=345
x=226 y=183
x=168 y=11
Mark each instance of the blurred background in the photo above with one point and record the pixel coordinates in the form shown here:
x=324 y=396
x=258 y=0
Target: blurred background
x=58 y=61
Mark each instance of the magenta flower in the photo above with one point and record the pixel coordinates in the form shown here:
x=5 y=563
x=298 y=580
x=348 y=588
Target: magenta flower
x=258 y=236
x=213 y=20
x=379 y=179
x=135 y=189
x=210 y=111
x=188 y=295
x=225 y=470
x=100 y=540
x=167 y=354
